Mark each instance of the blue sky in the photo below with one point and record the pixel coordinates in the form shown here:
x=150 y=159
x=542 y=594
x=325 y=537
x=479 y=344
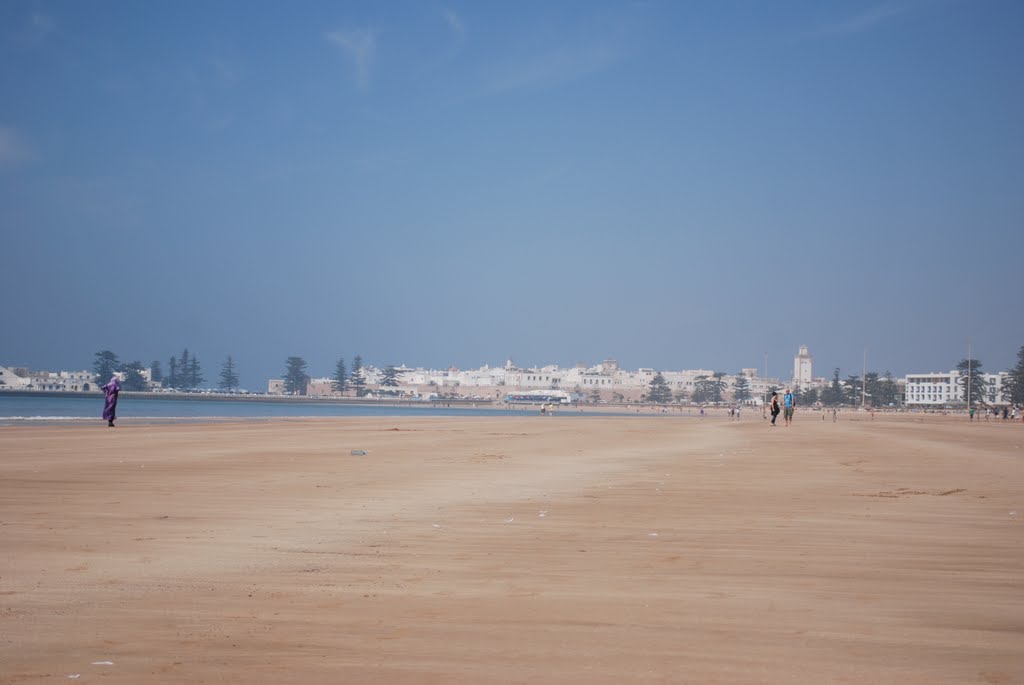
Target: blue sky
x=674 y=184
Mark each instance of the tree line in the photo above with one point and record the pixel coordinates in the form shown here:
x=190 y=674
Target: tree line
x=296 y=380
x=183 y=373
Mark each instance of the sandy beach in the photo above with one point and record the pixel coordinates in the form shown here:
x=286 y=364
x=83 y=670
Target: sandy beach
x=514 y=550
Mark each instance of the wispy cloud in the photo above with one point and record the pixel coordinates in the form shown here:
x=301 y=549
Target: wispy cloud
x=858 y=23
x=361 y=47
x=43 y=23
x=454 y=21
x=13 y=149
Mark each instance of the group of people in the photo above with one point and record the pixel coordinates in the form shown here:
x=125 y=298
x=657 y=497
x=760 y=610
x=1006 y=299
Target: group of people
x=1007 y=413
x=786 y=407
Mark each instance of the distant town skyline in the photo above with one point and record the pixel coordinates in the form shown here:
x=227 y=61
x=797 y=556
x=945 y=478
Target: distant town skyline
x=671 y=184
x=803 y=359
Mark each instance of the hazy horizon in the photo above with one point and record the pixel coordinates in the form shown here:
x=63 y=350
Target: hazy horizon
x=675 y=185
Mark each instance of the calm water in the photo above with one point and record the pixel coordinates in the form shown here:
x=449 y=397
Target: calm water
x=22 y=409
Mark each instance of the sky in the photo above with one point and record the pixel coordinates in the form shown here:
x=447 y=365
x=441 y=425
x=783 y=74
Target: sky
x=671 y=184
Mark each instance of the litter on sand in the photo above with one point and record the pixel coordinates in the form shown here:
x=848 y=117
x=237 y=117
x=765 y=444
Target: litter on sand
x=103 y=663
x=358 y=453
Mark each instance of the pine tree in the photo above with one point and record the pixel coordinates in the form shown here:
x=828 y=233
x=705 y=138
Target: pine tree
x=389 y=376
x=104 y=366
x=972 y=382
x=717 y=386
x=658 y=391
x=741 y=388
x=295 y=378
x=708 y=388
x=340 y=380
x=156 y=374
x=852 y=390
x=195 y=374
x=1013 y=386
x=133 y=378
x=183 y=371
x=357 y=378
x=887 y=391
x=701 y=391
x=173 y=381
x=228 y=376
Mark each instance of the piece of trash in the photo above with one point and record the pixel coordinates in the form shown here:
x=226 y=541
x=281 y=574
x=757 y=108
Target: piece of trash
x=103 y=663
x=510 y=519
x=543 y=513
x=358 y=453
x=73 y=676
x=437 y=525
x=652 y=535
x=1013 y=514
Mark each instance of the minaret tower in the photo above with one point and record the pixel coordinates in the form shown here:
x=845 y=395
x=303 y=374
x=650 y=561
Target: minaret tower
x=803 y=368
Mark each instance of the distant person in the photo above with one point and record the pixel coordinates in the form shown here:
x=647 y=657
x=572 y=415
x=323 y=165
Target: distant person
x=110 y=407
x=971 y=412
x=775 y=406
x=789 y=404
x=833 y=414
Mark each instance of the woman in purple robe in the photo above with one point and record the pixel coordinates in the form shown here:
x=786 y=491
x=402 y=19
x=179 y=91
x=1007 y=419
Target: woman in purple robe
x=110 y=408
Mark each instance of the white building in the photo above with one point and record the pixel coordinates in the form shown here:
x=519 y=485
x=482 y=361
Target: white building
x=803 y=368
x=946 y=389
x=933 y=389
x=14 y=379
x=54 y=381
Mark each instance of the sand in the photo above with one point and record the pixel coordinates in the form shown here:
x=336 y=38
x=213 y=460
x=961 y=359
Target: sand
x=514 y=550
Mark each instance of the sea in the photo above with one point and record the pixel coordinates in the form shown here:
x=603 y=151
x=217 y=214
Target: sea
x=24 y=409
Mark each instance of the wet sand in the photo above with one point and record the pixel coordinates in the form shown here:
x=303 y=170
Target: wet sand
x=514 y=550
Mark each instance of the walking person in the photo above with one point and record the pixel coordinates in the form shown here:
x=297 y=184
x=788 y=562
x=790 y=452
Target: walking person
x=110 y=406
x=775 y=406
x=789 y=404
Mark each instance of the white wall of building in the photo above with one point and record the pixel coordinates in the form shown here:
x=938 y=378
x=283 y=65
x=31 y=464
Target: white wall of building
x=945 y=388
